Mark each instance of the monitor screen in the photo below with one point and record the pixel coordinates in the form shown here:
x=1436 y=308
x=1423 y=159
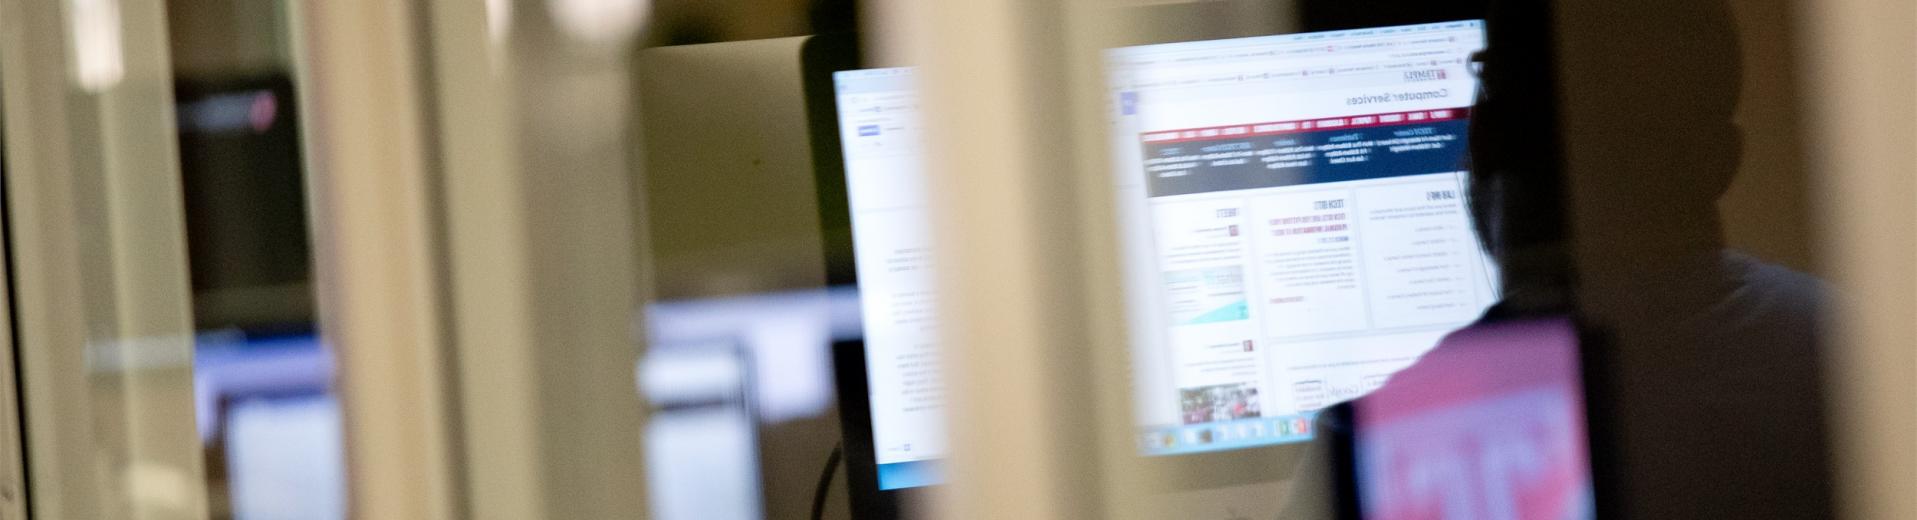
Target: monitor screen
x=891 y=242
x=1490 y=424
x=702 y=450
x=1292 y=209
x=285 y=456
x=1296 y=225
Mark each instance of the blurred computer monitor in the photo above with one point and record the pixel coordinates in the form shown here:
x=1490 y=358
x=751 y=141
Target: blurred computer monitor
x=272 y=424
x=702 y=450
x=1295 y=222
x=1292 y=209
x=242 y=176
x=284 y=457
x=741 y=397
x=1491 y=424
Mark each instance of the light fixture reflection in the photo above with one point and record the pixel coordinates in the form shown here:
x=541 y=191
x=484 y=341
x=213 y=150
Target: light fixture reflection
x=98 y=61
x=603 y=22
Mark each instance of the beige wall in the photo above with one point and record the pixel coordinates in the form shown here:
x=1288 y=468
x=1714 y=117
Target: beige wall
x=226 y=38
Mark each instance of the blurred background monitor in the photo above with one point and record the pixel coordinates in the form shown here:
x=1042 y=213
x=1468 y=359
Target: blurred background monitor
x=243 y=178
x=284 y=457
x=271 y=426
x=701 y=441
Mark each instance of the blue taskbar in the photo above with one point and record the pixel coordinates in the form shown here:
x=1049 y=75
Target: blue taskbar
x=901 y=475
x=1227 y=435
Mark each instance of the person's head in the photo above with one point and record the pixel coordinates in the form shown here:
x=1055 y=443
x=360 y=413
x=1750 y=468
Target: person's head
x=1652 y=97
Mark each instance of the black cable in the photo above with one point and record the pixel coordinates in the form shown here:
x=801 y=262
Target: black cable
x=825 y=483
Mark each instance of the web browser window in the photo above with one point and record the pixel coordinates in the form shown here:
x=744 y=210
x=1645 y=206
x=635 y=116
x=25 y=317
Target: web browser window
x=1295 y=219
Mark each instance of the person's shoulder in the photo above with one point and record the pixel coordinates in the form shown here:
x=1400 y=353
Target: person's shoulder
x=1754 y=266
x=1772 y=293
x=1772 y=282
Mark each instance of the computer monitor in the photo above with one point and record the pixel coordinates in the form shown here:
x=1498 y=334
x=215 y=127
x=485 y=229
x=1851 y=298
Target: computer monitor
x=1491 y=424
x=285 y=456
x=891 y=238
x=866 y=163
x=271 y=424
x=1293 y=214
x=1295 y=222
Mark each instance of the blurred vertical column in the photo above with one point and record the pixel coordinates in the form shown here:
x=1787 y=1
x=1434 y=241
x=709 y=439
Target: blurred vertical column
x=376 y=253
x=1022 y=221
x=97 y=242
x=477 y=257
x=533 y=117
x=1861 y=74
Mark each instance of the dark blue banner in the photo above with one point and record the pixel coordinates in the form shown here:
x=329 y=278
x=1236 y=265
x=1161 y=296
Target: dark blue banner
x=1241 y=163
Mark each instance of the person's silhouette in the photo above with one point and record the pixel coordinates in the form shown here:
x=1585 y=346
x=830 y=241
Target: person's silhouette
x=1713 y=388
x=1596 y=166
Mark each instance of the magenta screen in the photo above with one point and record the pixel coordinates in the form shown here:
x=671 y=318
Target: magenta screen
x=1489 y=425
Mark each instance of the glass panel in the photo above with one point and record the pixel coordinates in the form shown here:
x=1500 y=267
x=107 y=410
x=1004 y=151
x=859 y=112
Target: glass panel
x=97 y=234
x=158 y=231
